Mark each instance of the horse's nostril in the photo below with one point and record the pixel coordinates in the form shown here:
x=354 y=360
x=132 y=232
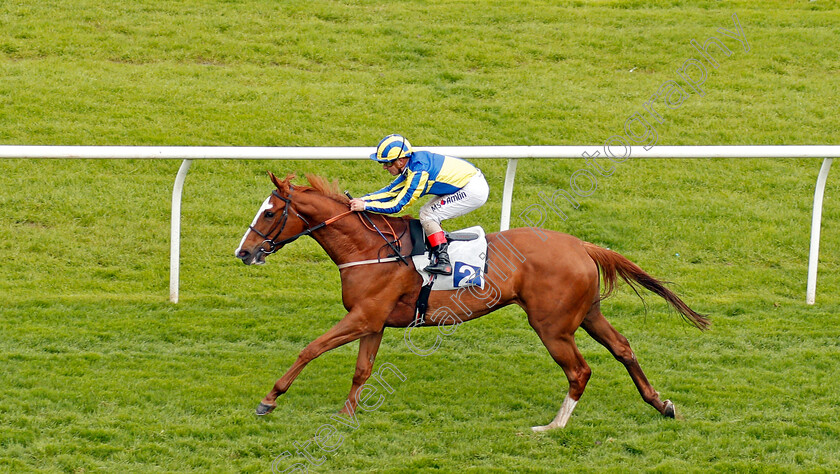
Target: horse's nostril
x=243 y=253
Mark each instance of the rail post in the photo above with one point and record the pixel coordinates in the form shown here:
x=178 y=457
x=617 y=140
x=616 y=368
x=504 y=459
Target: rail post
x=816 y=223
x=175 y=231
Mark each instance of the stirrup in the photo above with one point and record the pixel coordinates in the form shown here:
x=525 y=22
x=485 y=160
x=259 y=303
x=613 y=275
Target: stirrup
x=445 y=270
x=436 y=267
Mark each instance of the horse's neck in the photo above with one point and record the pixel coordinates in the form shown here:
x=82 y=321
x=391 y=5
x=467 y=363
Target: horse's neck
x=344 y=240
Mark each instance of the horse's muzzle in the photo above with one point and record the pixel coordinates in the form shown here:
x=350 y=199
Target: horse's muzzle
x=249 y=258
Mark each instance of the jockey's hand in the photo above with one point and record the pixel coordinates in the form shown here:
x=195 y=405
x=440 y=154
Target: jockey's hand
x=357 y=205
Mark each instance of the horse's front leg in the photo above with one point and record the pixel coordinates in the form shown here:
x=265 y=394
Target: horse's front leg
x=368 y=347
x=353 y=326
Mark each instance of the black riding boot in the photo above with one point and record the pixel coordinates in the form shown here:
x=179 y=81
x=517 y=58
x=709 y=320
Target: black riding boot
x=440 y=260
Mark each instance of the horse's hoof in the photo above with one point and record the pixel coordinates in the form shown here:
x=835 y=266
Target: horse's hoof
x=670 y=410
x=263 y=409
x=548 y=427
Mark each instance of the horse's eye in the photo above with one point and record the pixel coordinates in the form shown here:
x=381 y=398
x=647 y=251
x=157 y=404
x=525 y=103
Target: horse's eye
x=269 y=214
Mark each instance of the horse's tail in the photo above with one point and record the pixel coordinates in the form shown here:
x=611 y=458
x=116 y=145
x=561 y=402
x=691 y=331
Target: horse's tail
x=612 y=265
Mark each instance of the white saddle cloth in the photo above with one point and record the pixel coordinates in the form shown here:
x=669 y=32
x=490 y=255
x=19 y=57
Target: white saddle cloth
x=468 y=259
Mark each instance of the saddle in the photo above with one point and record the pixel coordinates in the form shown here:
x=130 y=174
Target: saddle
x=420 y=244
x=468 y=253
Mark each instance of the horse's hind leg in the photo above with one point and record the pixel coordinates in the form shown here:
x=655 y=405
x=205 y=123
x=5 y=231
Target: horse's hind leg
x=602 y=331
x=565 y=352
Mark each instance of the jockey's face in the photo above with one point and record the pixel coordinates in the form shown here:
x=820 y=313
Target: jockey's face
x=395 y=167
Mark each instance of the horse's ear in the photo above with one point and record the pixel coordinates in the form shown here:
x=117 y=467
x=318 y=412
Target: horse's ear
x=281 y=185
x=274 y=179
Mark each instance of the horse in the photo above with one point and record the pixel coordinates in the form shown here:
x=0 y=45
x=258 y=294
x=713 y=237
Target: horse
x=554 y=277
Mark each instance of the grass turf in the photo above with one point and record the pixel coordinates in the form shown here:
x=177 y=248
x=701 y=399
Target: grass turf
x=100 y=373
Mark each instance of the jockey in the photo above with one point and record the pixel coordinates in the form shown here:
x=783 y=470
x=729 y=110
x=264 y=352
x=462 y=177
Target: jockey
x=457 y=187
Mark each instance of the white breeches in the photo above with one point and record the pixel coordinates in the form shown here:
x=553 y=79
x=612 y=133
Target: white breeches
x=469 y=198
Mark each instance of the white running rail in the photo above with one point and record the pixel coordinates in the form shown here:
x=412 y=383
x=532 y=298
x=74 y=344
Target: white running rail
x=512 y=153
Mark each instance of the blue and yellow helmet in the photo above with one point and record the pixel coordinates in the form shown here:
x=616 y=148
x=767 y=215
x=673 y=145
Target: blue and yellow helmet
x=390 y=148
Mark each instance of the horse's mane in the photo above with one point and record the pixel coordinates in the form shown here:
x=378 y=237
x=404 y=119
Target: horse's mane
x=331 y=189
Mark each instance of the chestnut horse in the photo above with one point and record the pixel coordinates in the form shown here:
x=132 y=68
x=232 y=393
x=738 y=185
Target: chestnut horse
x=554 y=277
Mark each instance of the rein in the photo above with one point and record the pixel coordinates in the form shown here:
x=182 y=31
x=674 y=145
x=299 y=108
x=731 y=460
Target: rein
x=396 y=240
x=274 y=244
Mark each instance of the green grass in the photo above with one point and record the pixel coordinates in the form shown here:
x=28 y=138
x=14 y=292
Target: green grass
x=101 y=374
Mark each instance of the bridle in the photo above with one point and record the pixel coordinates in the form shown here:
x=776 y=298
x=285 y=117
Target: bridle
x=273 y=244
